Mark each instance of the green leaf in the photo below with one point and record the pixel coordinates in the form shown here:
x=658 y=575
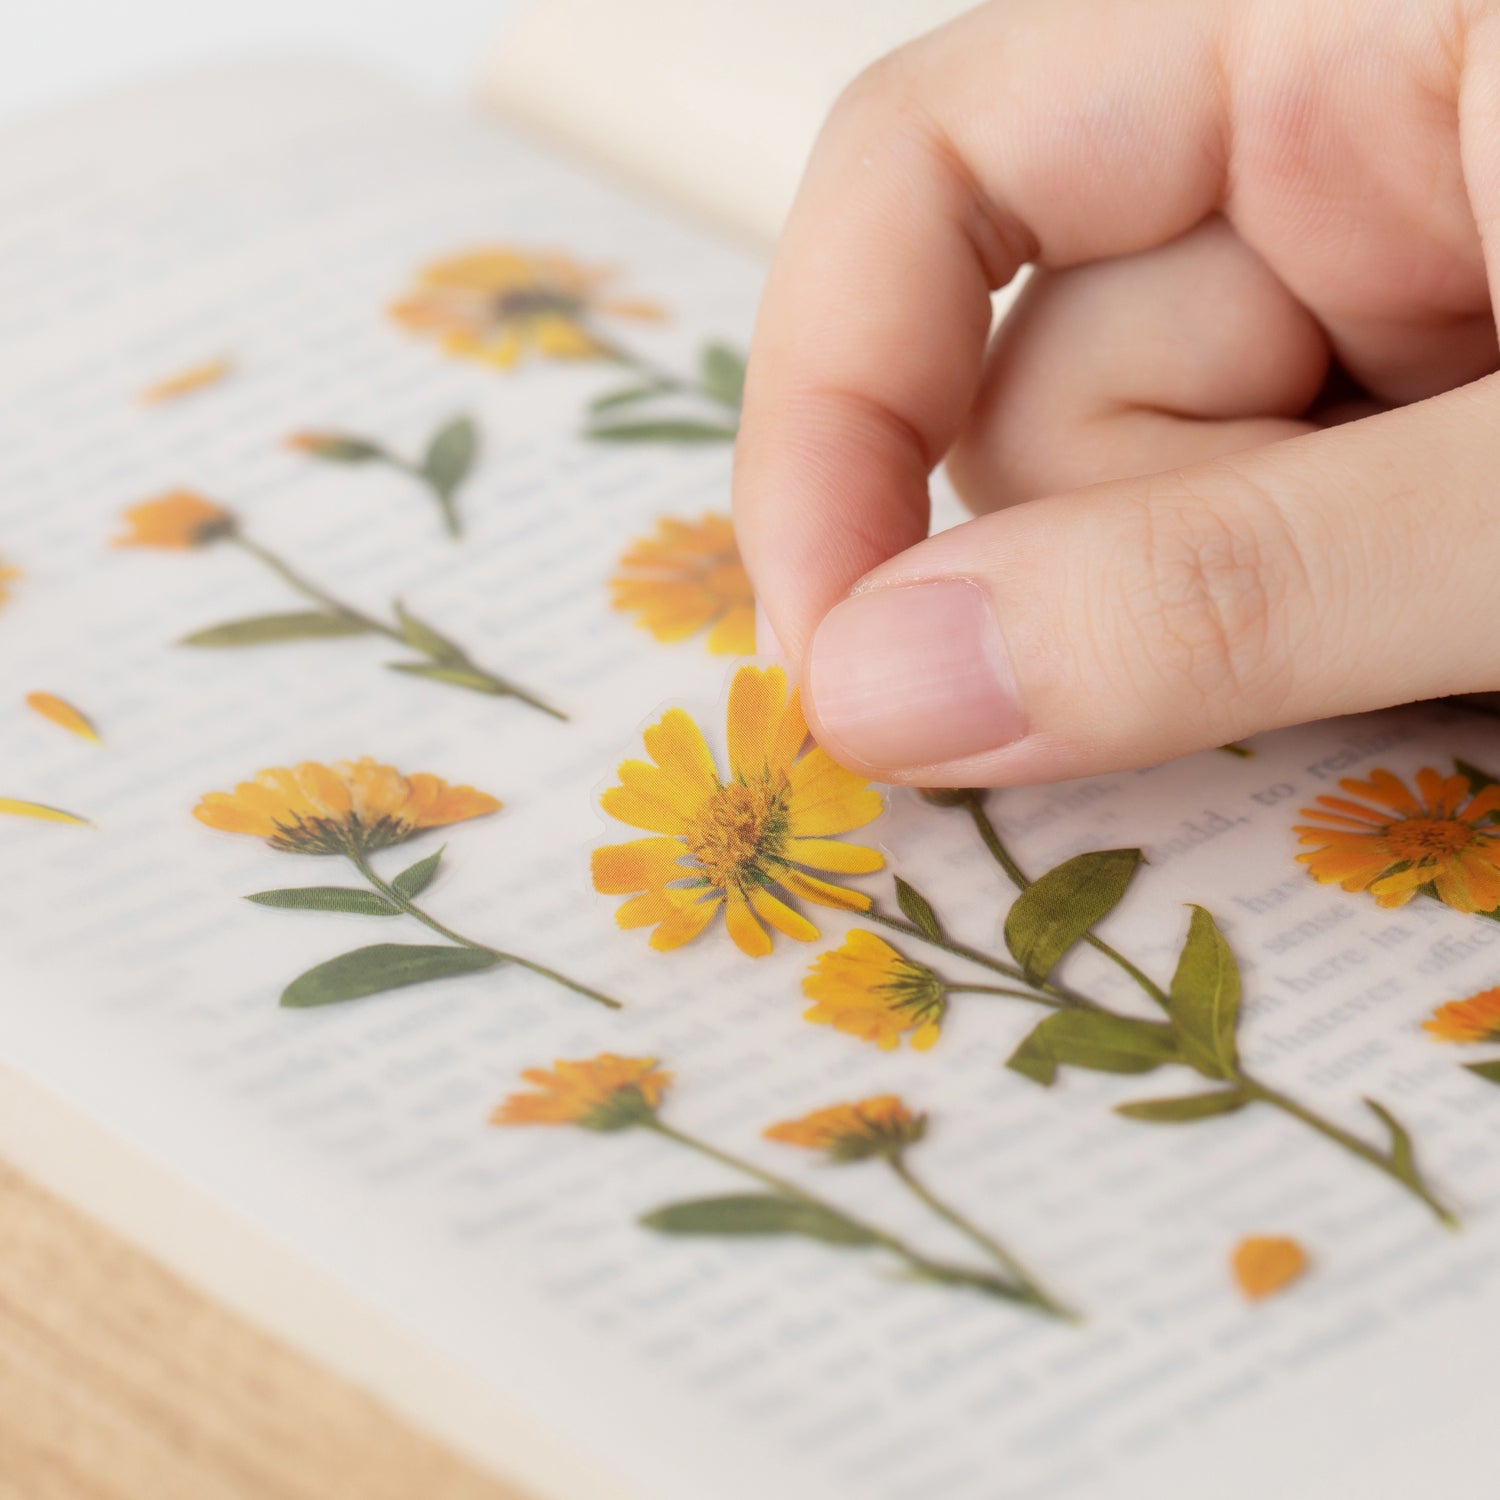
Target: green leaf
x=661 y=432
x=1478 y=780
x=384 y=966
x=917 y=909
x=263 y=630
x=625 y=397
x=756 y=1214
x=1489 y=1071
x=723 y=373
x=450 y=454
x=328 y=898
x=1403 y=1153
x=1054 y=912
x=1090 y=1039
x=415 y=879
x=420 y=636
x=1205 y=999
x=1185 y=1107
x=464 y=677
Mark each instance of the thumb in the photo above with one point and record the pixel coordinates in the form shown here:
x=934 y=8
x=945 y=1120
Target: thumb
x=1123 y=624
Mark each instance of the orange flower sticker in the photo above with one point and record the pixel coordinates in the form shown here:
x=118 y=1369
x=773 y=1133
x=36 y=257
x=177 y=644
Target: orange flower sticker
x=64 y=715
x=177 y=521
x=1476 y=1019
x=1266 y=1264
x=742 y=845
x=867 y=988
x=8 y=576
x=600 y=1093
x=1442 y=835
x=185 y=382
x=688 y=577
x=882 y=1126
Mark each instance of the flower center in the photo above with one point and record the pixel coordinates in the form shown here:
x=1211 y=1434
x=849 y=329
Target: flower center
x=738 y=833
x=1424 y=840
x=727 y=580
x=534 y=302
x=916 y=989
x=349 y=835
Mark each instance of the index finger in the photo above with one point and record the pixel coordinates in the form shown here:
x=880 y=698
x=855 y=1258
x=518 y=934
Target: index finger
x=1052 y=130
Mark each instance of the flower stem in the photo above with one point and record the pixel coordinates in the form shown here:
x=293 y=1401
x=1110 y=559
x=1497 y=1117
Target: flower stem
x=663 y=379
x=1021 y=1292
x=361 y=862
x=1035 y=1292
x=451 y=660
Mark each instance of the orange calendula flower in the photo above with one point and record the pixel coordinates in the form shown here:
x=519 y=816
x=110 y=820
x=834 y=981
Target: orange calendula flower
x=1441 y=836
x=8 y=575
x=1266 y=1264
x=599 y=1093
x=177 y=520
x=686 y=576
x=869 y=989
x=63 y=714
x=337 y=447
x=351 y=807
x=1476 y=1019
x=882 y=1126
x=185 y=382
x=498 y=304
x=743 y=844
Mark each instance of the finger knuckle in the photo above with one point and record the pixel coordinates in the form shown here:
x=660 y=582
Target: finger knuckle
x=1208 y=592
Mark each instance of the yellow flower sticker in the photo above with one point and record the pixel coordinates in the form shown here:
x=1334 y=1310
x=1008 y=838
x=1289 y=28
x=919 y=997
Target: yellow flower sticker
x=13 y=807
x=882 y=1126
x=685 y=578
x=1266 y=1264
x=64 y=715
x=743 y=845
x=1476 y=1019
x=177 y=521
x=1443 y=835
x=868 y=989
x=600 y=1093
x=195 y=378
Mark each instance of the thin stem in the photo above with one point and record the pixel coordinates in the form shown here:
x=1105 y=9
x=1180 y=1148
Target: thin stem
x=663 y=379
x=974 y=804
x=361 y=862
x=898 y=1247
x=453 y=658
x=994 y=989
x=997 y=1252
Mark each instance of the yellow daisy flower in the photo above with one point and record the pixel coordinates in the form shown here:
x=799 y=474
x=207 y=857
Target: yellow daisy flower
x=350 y=808
x=599 y=1093
x=1439 y=836
x=8 y=575
x=1476 y=1019
x=742 y=844
x=177 y=520
x=868 y=989
x=882 y=1126
x=686 y=576
x=498 y=304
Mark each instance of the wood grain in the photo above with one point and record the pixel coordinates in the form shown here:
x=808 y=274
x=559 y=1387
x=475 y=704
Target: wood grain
x=119 y=1381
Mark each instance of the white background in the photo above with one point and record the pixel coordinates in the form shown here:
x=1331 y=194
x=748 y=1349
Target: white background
x=54 y=50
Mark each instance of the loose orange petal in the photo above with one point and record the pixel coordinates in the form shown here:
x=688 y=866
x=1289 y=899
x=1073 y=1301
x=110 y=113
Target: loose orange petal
x=185 y=382
x=1266 y=1264
x=64 y=715
x=16 y=809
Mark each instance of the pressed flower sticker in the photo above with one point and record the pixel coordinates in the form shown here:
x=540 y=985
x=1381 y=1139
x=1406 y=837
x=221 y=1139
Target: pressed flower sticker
x=62 y=713
x=745 y=845
x=685 y=578
x=1264 y=1265
x=1443 y=836
x=354 y=809
x=185 y=382
x=1476 y=1019
x=14 y=807
x=608 y=1094
x=870 y=990
x=177 y=521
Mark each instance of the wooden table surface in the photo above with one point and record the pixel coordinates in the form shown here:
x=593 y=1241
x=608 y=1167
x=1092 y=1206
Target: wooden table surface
x=119 y=1381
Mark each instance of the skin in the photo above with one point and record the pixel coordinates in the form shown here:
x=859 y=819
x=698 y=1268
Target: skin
x=1234 y=457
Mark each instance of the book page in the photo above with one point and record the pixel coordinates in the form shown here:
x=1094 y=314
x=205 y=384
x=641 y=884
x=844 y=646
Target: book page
x=358 y=383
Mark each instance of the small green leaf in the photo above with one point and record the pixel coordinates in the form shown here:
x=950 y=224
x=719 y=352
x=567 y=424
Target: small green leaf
x=415 y=879
x=1185 y=1107
x=1478 y=779
x=1403 y=1153
x=1489 y=1071
x=661 y=432
x=464 y=677
x=1057 y=910
x=420 y=636
x=264 y=630
x=1099 y=1042
x=723 y=373
x=327 y=898
x=384 y=966
x=631 y=393
x=1205 y=999
x=918 y=909
x=757 y=1214
x=450 y=454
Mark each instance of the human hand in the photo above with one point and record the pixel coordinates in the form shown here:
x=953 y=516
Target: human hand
x=1183 y=536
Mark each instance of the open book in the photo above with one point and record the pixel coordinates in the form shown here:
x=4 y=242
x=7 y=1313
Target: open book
x=596 y=1071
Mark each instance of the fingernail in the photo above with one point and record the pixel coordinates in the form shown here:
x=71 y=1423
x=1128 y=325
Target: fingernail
x=914 y=675
x=766 y=643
